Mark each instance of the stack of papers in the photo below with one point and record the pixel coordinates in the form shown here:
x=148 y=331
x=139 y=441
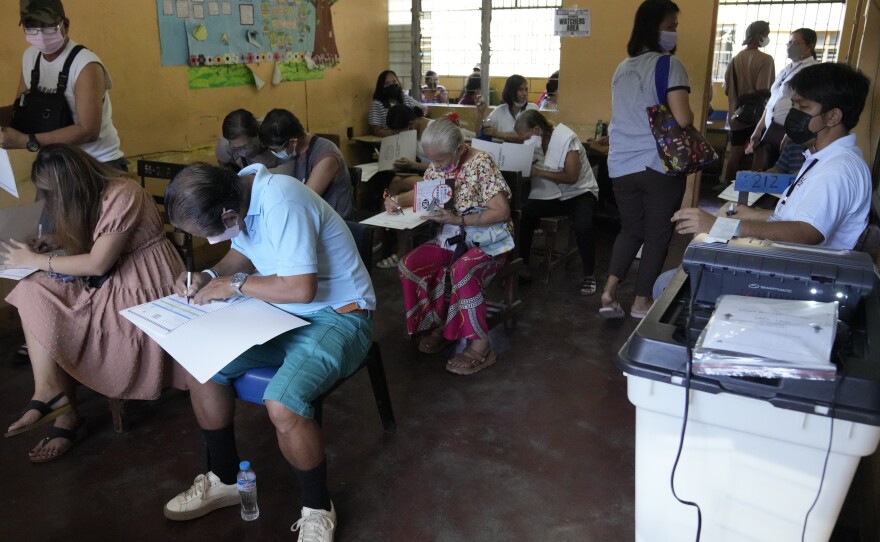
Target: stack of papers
x=769 y=338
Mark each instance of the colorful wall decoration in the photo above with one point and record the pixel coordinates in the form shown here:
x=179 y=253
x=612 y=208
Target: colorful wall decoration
x=297 y=34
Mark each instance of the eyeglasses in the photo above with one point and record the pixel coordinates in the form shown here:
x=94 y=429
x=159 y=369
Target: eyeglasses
x=46 y=31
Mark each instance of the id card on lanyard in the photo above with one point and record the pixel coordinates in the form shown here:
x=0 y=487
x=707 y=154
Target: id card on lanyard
x=800 y=180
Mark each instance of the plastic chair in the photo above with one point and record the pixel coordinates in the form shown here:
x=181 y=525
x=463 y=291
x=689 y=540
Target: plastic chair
x=251 y=385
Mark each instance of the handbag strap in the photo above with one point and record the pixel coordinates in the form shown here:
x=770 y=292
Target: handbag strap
x=661 y=78
x=62 y=77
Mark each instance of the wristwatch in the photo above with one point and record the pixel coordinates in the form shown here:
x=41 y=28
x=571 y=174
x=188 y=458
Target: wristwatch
x=33 y=145
x=237 y=282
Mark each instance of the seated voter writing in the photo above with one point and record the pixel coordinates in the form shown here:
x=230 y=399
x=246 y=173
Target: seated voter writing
x=314 y=160
x=240 y=145
x=829 y=201
x=309 y=266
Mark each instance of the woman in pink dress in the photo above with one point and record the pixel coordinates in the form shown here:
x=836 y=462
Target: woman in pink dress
x=115 y=255
x=481 y=206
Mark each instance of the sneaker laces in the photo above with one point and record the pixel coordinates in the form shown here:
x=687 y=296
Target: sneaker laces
x=312 y=527
x=200 y=485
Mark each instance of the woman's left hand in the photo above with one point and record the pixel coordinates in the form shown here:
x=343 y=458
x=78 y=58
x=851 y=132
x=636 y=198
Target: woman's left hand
x=444 y=216
x=15 y=254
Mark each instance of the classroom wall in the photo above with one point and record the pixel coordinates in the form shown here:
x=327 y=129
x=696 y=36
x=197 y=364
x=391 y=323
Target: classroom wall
x=155 y=111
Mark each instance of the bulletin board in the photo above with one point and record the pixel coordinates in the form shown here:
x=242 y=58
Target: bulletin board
x=298 y=34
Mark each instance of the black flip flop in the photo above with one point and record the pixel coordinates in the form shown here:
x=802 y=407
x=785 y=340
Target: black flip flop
x=73 y=435
x=43 y=408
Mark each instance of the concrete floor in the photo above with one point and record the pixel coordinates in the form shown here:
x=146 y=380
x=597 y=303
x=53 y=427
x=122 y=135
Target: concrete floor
x=539 y=446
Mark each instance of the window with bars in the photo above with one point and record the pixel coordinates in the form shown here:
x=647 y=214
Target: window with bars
x=522 y=38
x=784 y=16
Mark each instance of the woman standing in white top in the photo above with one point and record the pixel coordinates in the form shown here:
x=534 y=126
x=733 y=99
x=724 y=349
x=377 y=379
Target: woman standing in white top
x=767 y=139
x=46 y=29
x=500 y=121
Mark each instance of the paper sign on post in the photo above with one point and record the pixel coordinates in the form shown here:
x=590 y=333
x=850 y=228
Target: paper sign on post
x=508 y=156
x=402 y=145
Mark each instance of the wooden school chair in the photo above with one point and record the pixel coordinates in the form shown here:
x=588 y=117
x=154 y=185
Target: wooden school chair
x=165 y=171
x=251 y=386
x=506 y=307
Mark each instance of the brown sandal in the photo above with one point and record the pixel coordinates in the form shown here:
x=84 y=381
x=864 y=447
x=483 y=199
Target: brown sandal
x=431 y=343
x=470 y=361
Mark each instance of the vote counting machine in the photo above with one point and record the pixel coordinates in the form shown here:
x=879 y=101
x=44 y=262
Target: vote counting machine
x=657 y=349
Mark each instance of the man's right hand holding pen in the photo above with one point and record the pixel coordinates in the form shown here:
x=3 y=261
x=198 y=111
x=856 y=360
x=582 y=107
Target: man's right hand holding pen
x=199 y=281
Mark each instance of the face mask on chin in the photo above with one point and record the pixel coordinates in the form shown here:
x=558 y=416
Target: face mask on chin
x=668 y=40
x=520 y=104
x=230 y=233
x=46 y=44
x=797 y=126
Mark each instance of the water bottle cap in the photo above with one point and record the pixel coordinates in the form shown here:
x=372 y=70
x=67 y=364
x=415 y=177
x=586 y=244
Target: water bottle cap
x=244 y=465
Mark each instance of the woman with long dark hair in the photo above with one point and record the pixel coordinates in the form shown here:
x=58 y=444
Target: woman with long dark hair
x=115 y=255
x=646 y=195
x=499 y=123
x=388 y=92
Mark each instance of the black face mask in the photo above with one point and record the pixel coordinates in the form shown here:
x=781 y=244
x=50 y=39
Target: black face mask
x=797 y=126
x=392 y=92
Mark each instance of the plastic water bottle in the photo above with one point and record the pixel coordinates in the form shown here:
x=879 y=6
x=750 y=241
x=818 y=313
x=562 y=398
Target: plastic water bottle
x=247 y=490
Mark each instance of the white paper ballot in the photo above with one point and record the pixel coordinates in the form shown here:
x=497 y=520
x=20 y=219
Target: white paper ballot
x=402 y=221
x=7 y=179
x=729 y=194
x=508 y=156
x=205 y=344
x=402 y=145
x=723 y=230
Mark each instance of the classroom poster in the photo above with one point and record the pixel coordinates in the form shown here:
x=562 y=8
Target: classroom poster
x=295 y=34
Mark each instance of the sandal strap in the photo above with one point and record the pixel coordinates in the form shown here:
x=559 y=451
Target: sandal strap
x=41 y=407
x=61 y=432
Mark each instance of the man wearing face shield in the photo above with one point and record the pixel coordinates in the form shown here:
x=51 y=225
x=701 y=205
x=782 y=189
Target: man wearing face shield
x=749 y=76
x=828 y=203
x=240 y=145
x=767 y=139
x=47 y=28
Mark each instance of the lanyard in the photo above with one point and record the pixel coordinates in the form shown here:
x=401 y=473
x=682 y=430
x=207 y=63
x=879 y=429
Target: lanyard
x=797 y=181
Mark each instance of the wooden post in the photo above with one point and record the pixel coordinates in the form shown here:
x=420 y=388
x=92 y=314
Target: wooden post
x=416 y=51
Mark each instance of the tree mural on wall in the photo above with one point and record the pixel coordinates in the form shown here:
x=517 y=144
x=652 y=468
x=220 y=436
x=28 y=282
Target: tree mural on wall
x=326 y=54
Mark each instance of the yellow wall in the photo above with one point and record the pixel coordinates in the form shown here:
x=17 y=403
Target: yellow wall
x=155 y=111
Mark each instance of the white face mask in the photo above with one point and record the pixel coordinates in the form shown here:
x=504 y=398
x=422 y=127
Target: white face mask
x=230 y=233
x=764 y=41
x=534 y=140
x=520 y=104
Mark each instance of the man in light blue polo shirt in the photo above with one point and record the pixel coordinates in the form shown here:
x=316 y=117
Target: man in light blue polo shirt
x=308 y=265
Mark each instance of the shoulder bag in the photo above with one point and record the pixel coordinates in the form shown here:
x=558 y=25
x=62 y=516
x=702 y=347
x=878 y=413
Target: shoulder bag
x=749 y=107
x=36 y=111
x=683 y=150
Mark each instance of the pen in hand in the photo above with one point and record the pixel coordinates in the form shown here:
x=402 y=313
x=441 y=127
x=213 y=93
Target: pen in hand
x=189 y=277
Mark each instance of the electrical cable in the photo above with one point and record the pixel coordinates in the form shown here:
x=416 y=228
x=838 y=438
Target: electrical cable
x=687 y=392
x=827 y=451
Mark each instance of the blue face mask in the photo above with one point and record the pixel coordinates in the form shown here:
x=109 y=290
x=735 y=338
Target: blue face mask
x=283 y=154
x=668 y=40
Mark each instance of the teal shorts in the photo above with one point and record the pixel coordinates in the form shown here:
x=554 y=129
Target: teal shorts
x=310 y=359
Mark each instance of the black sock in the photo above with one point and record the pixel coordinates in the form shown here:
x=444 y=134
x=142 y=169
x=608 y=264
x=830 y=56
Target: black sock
x=222 y=454
x=313 y=486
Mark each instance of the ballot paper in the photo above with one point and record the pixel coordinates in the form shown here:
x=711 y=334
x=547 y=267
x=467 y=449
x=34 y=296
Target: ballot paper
x=723 y=230
x=729 y=194
x=771 y=338
x=406 y=220
x=19 y=223
x=508 y=156
x=7 y=178
x=205 y=338
x=402 y=145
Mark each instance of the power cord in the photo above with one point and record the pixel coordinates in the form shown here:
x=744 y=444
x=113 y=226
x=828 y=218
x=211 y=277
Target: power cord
x=828 y=450
x=687 y=391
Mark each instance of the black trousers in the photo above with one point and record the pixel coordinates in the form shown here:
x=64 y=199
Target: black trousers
x=579 y=210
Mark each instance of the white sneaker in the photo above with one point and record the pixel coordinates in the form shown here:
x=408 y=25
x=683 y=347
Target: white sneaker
x=316 y=525
x=207 y=494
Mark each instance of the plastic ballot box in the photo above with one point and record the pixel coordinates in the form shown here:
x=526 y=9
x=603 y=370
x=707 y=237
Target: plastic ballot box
x=755 y=449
